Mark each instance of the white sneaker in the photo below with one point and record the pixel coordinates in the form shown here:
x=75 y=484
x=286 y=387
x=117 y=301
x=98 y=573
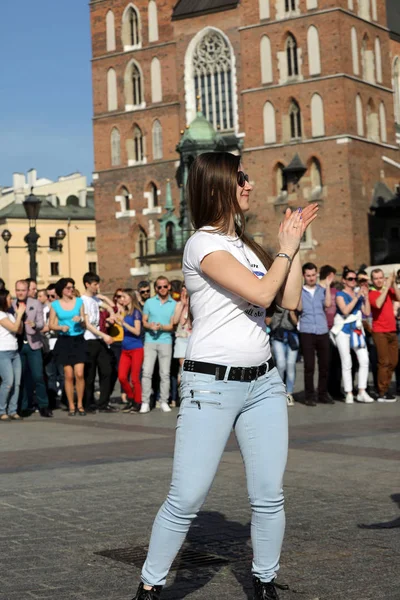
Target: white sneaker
x=164 y=407
x=349 y=398
x=364 y=397
x=290 y=400
x=145 y=408
x=157 y=404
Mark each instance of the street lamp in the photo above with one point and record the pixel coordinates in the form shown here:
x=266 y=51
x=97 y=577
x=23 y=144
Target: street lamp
x=32 y=208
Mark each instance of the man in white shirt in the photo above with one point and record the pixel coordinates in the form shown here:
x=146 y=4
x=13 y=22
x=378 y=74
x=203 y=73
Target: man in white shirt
x=96 y=348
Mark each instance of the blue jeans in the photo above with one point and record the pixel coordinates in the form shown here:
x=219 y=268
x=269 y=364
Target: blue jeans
x=32 y=377
x=209 y=410
x=10 y=373
x=285 y=359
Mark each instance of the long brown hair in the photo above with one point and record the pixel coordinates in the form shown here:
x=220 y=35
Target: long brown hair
x=211 y=191
x=134 y=301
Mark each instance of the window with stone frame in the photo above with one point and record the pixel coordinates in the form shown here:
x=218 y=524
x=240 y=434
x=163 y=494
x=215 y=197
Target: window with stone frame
x=112 y=97
x=264 y=9
x=354 y=51
x=269 y=123
x=138 y=150
x=133 y=83
x=142 y=243
x=382 y=122
x=367 y=60
x=315 y=179
x=126 y=200
x=295 y=121
x=378 y=60
x=115 y=147
x=131 y=28
x=359 y=116
x=290 y=5
x=266 y=60
x=396 y=89
x=317 y=116
x=372 y=121
x=212 y=71
x=153 y=21
x=364 y=9
x=110 y=31
x=157 y=136
x=313 y=49
x=136 y=85
x=156 y=80
x=291 y=56
x=170 y=236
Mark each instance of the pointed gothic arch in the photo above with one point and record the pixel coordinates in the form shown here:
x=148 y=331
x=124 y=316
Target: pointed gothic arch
x=210 y=72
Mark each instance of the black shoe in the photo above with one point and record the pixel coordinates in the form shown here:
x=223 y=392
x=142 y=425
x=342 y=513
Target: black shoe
x=326 y=399
x=264 y=591
x=91 y=410
x=153 y=594
x=25 y=413
x=108 y=409
x=127 y=407
x=135 y=408
x=45 y=412
x=310 y=402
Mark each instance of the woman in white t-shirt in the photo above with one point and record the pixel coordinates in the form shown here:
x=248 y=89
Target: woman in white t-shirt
x=10 y=362
x=229 y=379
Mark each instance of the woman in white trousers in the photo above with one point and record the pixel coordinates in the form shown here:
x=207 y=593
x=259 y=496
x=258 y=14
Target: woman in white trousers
x=349 y=335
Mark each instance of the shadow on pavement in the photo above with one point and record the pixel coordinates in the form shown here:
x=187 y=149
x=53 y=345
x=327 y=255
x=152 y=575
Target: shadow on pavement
x=387 y=524
x=211 y=532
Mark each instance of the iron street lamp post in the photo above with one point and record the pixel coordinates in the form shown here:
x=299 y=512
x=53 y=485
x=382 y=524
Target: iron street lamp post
x=32 y=208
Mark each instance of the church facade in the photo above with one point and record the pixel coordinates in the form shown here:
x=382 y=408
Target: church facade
x=306 y=91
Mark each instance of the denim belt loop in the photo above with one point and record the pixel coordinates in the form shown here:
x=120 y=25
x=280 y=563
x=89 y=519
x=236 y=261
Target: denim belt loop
x=228 y=370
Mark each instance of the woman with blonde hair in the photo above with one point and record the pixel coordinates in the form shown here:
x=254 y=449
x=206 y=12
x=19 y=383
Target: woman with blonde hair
x=130 y=363
x=229 y=378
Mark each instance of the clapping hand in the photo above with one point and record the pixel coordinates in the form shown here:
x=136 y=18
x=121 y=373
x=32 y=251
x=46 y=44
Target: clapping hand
x=293 y=227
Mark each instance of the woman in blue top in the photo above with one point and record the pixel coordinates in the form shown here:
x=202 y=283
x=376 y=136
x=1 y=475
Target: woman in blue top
x=67 y=318
x=130 y=364
x=349 y=334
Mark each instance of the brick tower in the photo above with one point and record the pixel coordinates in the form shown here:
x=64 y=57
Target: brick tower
x=303 y=83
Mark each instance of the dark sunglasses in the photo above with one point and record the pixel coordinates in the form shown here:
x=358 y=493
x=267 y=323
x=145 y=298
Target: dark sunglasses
x=242 y=178
x=162 y=287
x=51 y=296
x=351 y=278
x=119 y=296
x=144 y=292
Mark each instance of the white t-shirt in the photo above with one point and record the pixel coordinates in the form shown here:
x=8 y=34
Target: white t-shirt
x=227 y=329
x=310 y=290
x=91 y=306
x=8 y=340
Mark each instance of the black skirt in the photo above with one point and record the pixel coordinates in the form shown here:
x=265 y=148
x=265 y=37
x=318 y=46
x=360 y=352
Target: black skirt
x=70 y=350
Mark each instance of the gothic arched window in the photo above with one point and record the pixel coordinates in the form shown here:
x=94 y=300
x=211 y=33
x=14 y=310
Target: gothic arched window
x=396 y=88
x=291 y=55
x=138 y=153
x=170 y=235
x=212 y=70
x=295 y=121
x=157 y=140
x=142 y=242
x=115 y=148
x=131 y=28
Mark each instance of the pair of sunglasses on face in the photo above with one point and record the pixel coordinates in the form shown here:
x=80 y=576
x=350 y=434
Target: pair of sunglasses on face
x=242 y=178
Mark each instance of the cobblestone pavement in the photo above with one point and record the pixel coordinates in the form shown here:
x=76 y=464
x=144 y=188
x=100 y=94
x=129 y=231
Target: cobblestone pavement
x=75 y=491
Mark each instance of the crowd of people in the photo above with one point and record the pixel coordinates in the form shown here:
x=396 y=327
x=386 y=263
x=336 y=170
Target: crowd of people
x=55 y=342
x=351 y=325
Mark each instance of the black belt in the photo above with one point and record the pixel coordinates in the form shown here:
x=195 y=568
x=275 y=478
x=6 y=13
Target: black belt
x=235 y=373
